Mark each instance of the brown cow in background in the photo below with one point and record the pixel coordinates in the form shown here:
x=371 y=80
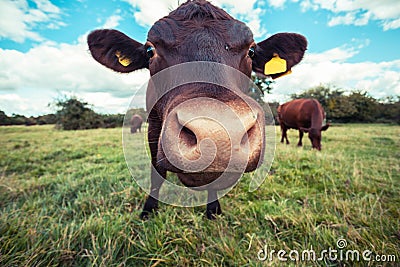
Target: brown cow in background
x=306 y=115
x=136 y=123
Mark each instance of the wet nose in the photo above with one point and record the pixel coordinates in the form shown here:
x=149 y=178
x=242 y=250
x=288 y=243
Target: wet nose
x=207 y=135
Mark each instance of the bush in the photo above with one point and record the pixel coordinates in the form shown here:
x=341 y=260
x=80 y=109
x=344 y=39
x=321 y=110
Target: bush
x=76 y=115
x=112 y=120
x=4 y=119
x=46 y=119
x=355 y=107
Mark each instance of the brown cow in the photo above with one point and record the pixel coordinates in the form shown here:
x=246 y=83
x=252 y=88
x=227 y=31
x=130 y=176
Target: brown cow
x=136 y=123
x=179 y=119
x=306 y=115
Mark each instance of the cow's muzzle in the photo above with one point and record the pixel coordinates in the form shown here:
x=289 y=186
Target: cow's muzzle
x=205 y=135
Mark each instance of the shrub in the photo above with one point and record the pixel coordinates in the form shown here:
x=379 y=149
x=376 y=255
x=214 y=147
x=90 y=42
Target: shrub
x=75 y=114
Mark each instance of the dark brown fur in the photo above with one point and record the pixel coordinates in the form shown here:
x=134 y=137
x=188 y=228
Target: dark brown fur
x=136 y=123
x=196 y=31
x=305 y=115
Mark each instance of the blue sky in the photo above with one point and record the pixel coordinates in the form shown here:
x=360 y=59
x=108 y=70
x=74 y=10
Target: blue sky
x=353 y=44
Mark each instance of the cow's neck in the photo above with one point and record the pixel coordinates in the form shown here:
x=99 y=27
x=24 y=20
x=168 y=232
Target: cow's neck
x=316 y=117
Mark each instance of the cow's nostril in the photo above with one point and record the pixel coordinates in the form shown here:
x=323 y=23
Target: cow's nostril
x=247 y=139
x=244 y=140
x=187 y=137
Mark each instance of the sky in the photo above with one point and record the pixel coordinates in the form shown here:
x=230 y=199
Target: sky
x=353 y=45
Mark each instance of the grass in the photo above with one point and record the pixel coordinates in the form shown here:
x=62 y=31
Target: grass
x=68 y=199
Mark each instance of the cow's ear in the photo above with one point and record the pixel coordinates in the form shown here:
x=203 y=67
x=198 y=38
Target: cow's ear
x=277 y=55
x=325 y=127
x=117 y=51
x=306 y=130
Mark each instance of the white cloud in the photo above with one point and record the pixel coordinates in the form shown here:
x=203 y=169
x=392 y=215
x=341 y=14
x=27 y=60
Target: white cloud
x=359 y=12
x=11 y=102
x=277 y=3
x=252 y=18
x=392 y=24
x=346 y=12
x=146 y=14
x=337 y=54
x=50 y=69
x=236 y=7
x=247 y=11
x=12 y=24
x=106 y=103
x=112 y=22
x=330 y=67
x=351 y=18
x=18 y=20
x=47 y=6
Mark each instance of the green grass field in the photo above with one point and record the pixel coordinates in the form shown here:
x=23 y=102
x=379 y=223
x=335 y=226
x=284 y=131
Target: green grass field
x=68 y=199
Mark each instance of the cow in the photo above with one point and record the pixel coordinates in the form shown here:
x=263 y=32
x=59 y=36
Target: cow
x=179 y=127
x=305 y=115
x=136 y=123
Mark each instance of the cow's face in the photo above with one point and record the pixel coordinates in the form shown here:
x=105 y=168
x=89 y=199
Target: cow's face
x=203 y=127
x=315 y=136
x=175 y=39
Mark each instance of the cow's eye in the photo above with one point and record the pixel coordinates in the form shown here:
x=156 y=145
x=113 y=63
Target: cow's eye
x=150 y=51
x=252 y=51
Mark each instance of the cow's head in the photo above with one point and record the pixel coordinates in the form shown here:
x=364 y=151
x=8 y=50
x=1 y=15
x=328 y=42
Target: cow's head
x=315 y=135
x=193 y=114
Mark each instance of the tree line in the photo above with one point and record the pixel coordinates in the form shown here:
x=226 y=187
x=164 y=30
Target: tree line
x=355 y=107
x=16 y=119
x=72 y=114
x=340 y=107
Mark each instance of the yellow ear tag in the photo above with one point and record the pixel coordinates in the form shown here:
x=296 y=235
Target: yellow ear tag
x=275 y=65
x=122 y=59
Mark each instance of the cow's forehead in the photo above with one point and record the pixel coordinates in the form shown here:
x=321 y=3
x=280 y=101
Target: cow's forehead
x=194 y=17
x=171 y=32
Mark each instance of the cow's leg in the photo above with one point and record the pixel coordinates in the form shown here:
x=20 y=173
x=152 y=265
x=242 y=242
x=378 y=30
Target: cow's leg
x=213 y=206
x=284 y=130
x=300 y=138
x=158 y=174
x=284 y=135
x=151 y=204
x=287 y=140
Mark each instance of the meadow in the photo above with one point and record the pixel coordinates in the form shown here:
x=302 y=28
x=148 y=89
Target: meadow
x=67 y=199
